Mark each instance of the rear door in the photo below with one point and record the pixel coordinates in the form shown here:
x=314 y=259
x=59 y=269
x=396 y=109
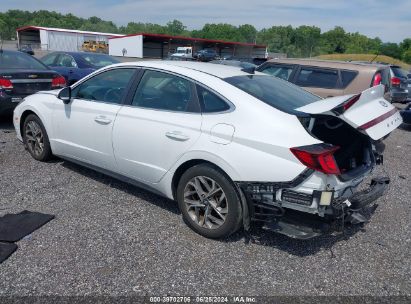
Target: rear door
x=368 y=112
x=161 y=122
x=323 y=82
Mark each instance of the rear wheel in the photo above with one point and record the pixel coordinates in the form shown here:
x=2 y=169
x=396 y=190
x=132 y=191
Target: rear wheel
x=209 y=202
x=35 y=138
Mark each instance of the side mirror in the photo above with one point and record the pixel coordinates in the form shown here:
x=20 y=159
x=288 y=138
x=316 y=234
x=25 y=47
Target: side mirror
x=65 y=95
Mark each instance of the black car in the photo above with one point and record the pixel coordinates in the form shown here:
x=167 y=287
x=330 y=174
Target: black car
x=206 y=55
x=406 y=114
x=409 y=86
x=22 y=75
x=399 y=84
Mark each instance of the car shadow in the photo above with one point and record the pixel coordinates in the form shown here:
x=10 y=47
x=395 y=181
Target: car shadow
x=256 y=236
x=262 y=237
x=405 y=127
x=6 y=124
x=141 y=193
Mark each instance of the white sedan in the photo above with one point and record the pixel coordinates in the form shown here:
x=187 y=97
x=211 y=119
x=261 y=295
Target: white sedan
x=230 y=146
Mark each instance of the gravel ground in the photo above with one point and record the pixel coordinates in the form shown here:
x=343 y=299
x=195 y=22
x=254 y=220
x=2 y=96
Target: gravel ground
x=109 y=238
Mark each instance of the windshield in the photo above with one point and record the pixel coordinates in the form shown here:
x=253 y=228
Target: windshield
x=17 y=60
x=99 y=60
x=274 y=91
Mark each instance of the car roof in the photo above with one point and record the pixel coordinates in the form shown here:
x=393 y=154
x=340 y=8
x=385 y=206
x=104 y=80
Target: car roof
x=331 y=63
x=217 y=70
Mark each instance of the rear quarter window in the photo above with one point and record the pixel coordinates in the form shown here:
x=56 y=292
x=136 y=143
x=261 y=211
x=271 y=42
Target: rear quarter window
x=317 y=78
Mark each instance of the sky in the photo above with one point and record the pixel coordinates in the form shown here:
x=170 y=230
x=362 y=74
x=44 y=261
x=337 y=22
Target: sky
x=389 y=20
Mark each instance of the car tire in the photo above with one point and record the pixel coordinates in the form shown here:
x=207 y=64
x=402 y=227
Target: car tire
x=35 y=138
x=217 y=215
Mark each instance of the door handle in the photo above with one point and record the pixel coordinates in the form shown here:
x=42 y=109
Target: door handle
x=177 y=135
x=102 y=120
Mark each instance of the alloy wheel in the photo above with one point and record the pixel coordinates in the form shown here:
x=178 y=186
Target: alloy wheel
x=206 y=202
x=34 y=138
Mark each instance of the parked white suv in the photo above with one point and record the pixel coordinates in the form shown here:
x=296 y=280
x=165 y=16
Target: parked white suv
x=230 y=146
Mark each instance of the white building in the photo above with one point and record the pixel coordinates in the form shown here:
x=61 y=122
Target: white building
x=55 y=39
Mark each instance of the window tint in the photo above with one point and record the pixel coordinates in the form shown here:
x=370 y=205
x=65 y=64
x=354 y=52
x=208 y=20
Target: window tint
x=210 y=102
x=317 y=78
x=398 y=72
x=280 y=71
x=98 y=60
x=347 y=77
x=278 y=93
x=49 y=59
x=163 y=91
x=106 y=87
x=66 y=61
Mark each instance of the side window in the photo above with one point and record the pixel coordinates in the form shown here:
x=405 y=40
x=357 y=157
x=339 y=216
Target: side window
x=163 y=91
x=210 y=102
x=106 y=87
x=347 y=77
x=317 y=78
x=49 y=59
x=280 y=71
x=66 y=61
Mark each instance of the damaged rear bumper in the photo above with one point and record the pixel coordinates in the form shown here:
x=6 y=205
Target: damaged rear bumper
x=303 y=225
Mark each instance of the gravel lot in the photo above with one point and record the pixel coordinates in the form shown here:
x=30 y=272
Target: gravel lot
x=114 y=239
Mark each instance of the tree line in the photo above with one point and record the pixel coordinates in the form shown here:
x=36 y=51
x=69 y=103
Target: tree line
x=302 y=41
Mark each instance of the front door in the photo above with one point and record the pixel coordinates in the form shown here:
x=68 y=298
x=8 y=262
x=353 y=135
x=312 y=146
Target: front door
x=161 y=123
x=84 y=126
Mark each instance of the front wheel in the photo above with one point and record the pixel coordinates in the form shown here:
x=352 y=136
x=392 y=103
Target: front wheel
x=35 y=138
x=209 y=202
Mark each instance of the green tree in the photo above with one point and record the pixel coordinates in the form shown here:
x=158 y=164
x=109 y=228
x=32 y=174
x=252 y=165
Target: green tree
x=175 y=27
x=247 y=33
x=390 y=49
x=335 y=40
x=306 y=39
x=278 y=39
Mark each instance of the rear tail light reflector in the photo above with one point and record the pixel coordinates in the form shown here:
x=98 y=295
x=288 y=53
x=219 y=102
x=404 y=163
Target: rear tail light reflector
x=319 y=157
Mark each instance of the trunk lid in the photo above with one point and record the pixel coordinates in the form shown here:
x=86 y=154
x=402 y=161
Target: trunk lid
x=371 y=114
x=28 y=81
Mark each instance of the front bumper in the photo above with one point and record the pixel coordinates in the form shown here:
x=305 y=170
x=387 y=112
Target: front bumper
x=303 y=225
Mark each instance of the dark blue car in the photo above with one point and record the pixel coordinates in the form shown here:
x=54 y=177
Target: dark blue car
x=75 y=65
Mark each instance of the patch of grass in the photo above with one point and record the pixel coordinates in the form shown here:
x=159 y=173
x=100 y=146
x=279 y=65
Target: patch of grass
x=365 y=57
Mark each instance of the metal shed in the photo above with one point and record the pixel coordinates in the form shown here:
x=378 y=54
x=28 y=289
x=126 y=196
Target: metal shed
x=148 y=45
x=56 y=39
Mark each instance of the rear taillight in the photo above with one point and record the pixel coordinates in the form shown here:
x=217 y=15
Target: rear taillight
x=5 y=84
x=351 y=101
x=395 y=81
x=347 y=104
x=377 y=79
x=58 y=82
x=319 y=157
